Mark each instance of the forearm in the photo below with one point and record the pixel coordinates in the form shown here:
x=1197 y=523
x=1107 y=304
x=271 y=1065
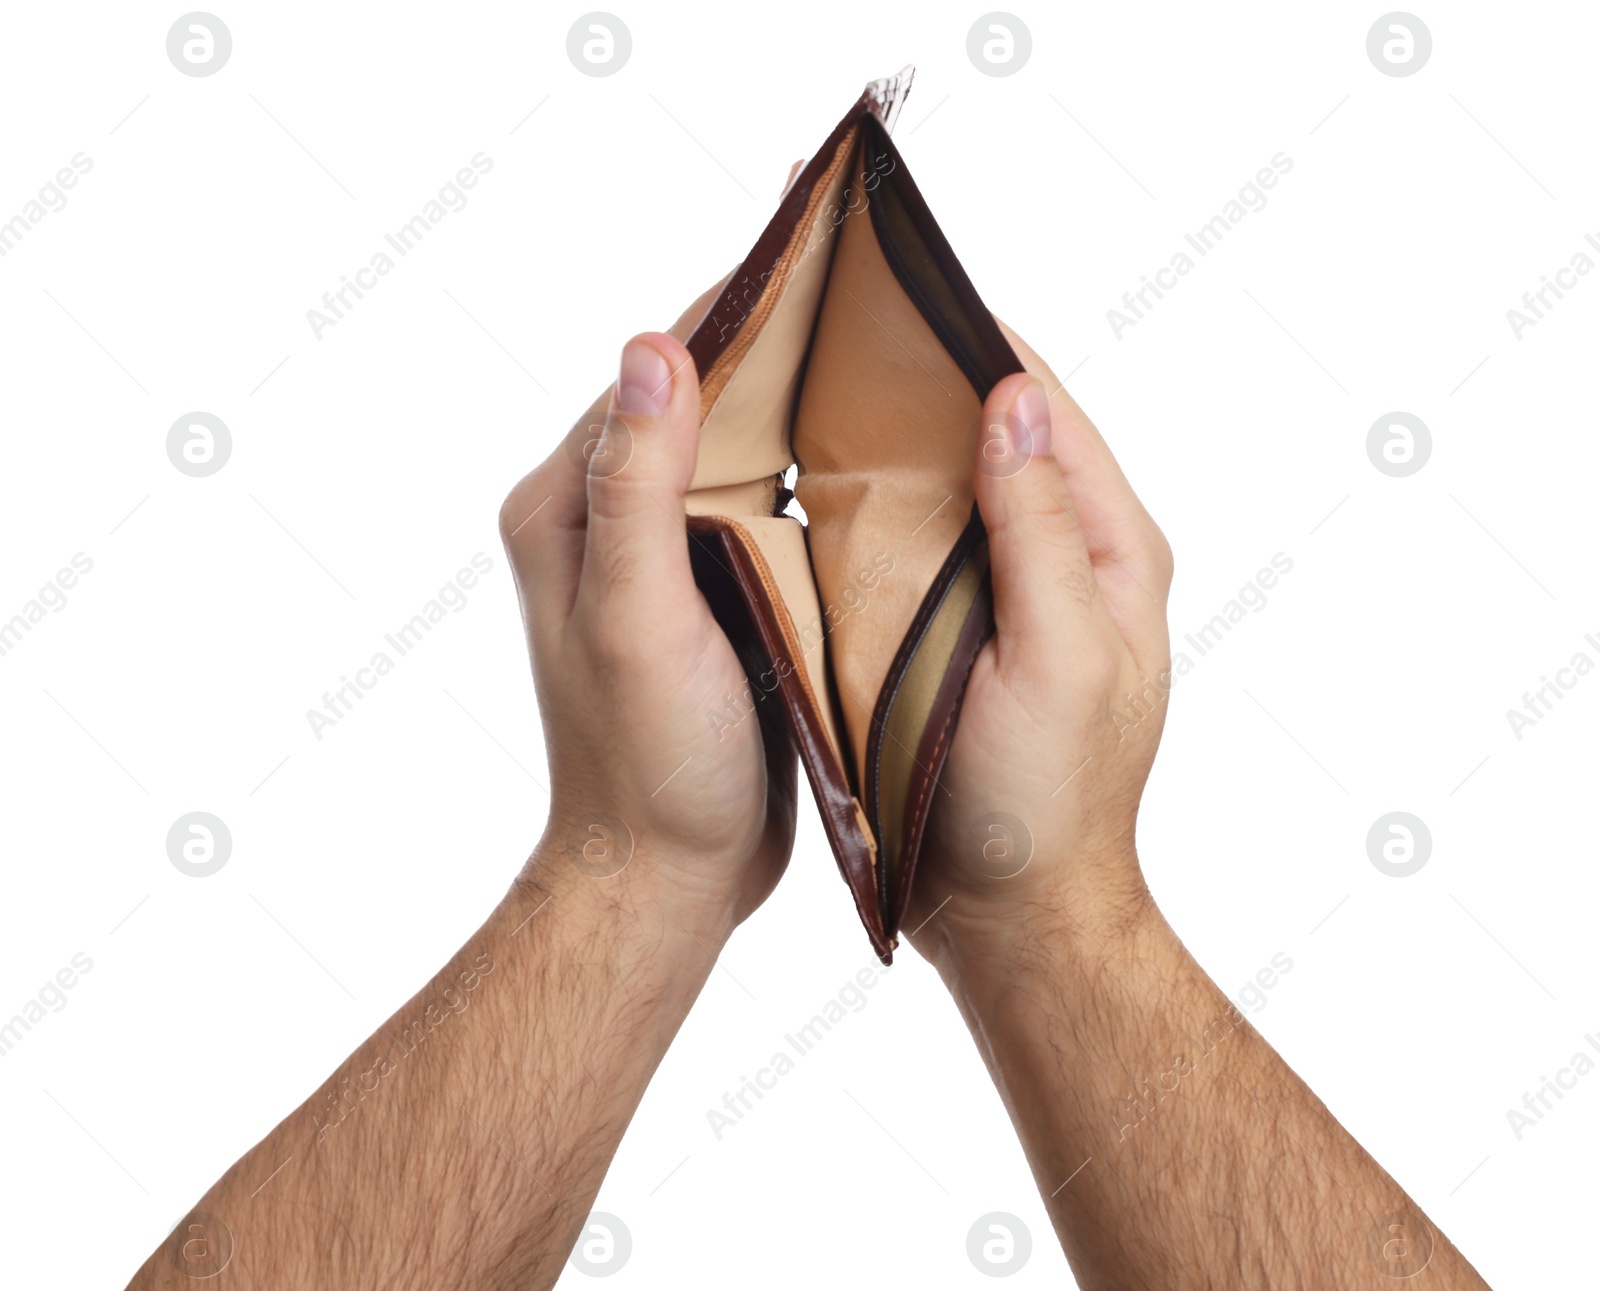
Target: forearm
x=463 y=1143
x=1173 y=1146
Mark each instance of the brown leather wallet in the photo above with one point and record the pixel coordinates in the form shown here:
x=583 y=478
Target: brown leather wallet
x=850 y=346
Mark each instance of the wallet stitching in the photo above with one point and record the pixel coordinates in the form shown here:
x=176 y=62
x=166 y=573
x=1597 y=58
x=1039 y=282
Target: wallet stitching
x=799 y=669
x=928 y=780
x=966 y=661
x=944 y=734
x=707 y=349
x=721 y=371
x=933 y=600
x=785 y=619
x=900 y=669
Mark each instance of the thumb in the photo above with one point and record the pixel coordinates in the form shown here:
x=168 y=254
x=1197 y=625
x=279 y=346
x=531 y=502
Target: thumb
x=635 y=547
x=1044 y=584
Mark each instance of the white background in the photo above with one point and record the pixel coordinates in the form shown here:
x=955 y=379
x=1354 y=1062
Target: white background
x=367 y=466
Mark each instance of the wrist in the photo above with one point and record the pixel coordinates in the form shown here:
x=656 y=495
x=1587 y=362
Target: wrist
x=1069 y=924
x=627 y=910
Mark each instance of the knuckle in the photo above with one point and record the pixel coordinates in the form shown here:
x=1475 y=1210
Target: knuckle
x=1031 y=507
x=1161 y=558
x=1101 y=677
x=626 y=492
x=524 y=500
x=609 y=646
x=512 y=512
x=1102 y=668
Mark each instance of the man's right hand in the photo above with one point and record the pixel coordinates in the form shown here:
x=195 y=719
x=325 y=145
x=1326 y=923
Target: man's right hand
x=1065 y=705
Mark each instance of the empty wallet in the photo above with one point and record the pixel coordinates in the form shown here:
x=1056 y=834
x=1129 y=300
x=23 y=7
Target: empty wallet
x=851 y=346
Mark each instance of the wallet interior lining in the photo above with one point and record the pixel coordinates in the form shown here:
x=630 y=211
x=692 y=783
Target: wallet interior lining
x=836 y=368
x=745 y=434
x=884 y=433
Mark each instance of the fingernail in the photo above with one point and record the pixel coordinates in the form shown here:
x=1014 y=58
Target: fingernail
x=1030 y=421
x=644 y=385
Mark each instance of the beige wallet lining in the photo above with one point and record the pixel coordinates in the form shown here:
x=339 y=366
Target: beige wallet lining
x=837 y=370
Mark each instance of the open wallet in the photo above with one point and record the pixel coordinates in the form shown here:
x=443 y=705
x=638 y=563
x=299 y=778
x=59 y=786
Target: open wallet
x=851 y=346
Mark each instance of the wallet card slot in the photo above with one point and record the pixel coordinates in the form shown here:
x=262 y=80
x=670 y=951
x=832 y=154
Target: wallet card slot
x=916 y=713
